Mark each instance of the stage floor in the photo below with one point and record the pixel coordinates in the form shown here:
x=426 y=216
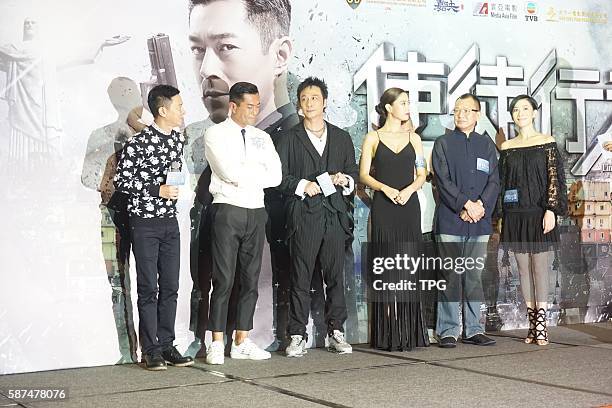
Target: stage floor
x=575 y=370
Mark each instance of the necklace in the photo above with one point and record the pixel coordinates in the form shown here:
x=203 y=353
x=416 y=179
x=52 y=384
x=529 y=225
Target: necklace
x=315 y=131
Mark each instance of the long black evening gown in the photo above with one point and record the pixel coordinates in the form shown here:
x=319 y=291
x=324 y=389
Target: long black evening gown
x=397 y=321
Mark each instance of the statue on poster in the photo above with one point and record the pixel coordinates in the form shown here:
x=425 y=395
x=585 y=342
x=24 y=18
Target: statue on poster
x=32 y=94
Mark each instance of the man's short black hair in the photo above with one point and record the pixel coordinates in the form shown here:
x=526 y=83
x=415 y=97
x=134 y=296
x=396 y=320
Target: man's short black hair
x=159 y=96
x=472 y=97
x=272 y=18
x=312 y=81
x=239 y=89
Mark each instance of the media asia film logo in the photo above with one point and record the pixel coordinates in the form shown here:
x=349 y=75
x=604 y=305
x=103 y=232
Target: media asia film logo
x=481 y=9
x=505 y=11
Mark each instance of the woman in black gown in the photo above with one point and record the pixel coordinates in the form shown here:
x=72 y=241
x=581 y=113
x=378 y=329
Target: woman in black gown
x=533 y=195
x=396 y=320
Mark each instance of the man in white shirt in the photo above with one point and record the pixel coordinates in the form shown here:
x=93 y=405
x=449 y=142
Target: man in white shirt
x=243 y=161
x=227 y=38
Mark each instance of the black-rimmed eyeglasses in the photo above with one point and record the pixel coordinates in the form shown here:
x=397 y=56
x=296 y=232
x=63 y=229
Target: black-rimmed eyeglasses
x=464 y=111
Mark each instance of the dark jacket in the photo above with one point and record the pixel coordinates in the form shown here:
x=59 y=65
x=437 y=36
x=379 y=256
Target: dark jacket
x=465 y=169
x=300 y=160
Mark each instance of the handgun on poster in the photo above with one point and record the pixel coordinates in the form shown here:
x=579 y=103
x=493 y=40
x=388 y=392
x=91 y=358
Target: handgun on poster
x=162 y=65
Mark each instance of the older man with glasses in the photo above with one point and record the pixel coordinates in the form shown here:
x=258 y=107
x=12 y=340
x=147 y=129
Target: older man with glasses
x=467 y=182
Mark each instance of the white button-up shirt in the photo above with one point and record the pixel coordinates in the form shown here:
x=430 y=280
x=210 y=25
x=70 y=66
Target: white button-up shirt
x=241 y=169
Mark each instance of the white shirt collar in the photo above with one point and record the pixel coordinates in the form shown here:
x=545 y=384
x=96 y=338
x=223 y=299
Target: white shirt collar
x=160 y=130
x=230 y=122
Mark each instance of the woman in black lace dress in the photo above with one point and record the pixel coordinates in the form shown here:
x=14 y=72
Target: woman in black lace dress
x=396 y=154
x=533 y=195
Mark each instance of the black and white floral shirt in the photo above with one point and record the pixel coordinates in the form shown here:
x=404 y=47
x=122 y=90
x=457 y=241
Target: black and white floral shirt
x=142 y=169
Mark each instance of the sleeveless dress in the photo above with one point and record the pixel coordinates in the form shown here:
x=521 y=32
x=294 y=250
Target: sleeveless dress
x=532 y=181
x=397 y=323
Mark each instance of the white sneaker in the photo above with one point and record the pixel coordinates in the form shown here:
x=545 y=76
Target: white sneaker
x=247 y=350
x=338 y=344
x=216 y=353
x=297 y=347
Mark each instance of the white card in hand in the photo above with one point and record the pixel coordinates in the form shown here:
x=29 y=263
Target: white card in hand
x=175 y=178
x=326 y=184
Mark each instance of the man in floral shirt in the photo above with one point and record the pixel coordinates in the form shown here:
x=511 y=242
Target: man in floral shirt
x=145 y=171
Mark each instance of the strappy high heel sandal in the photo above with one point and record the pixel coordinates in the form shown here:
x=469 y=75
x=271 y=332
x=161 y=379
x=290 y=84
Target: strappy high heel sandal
x=531 y=334
x=541 y=334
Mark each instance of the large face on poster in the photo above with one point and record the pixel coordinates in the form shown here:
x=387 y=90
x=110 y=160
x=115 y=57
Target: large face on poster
x=228 y=39
x=73 y=83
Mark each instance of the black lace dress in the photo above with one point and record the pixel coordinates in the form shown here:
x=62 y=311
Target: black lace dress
x=397 y=321
x=532 y=181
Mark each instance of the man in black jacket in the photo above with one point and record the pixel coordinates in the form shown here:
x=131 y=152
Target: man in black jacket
x=319 y=169
x=467 y=181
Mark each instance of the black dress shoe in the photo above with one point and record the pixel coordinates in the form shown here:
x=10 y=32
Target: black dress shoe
x=154 y=362
x=173 y=357
x=447 y=342
x=479 y=340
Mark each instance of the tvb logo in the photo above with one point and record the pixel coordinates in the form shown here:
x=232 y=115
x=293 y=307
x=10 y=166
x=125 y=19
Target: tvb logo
x=531 y=11
x=354 y=3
